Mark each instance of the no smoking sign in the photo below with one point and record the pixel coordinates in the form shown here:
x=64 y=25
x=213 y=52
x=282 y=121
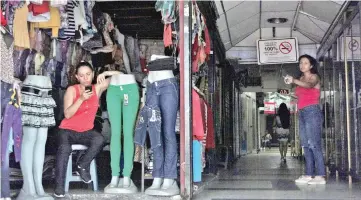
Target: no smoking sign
x=353 y=45
x=285 y=47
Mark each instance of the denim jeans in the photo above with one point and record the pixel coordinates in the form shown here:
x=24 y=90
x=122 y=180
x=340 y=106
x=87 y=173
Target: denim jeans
x=311 y=119
x=12 y=120
x=5 y=175
x=161 y=96
x=92 y=139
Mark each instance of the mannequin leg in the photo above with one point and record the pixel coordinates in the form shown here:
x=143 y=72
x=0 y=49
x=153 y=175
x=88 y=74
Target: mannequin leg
x=169 y=107
x=130 y=112
x=38 y=162
x=114 y=105
x=26 y=163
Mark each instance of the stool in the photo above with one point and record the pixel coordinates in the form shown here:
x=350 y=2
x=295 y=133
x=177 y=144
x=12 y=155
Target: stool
x=75 y=178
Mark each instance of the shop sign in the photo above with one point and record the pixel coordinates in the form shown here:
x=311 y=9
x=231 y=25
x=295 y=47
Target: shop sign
x=283 y=91
x=269 y=108
x=277 y=51
x=352 y=49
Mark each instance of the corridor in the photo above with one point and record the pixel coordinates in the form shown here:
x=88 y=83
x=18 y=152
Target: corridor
x=264 y=176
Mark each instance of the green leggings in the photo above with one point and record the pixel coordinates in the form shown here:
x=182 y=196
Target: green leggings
x=118 y=108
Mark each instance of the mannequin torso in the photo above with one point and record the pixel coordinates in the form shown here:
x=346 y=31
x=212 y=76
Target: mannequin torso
x=159 y=75
x=122 y=79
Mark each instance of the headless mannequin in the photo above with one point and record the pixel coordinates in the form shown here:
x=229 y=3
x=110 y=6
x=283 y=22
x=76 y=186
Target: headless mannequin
x=160 y=186
x=33 y=153
x=125 y=184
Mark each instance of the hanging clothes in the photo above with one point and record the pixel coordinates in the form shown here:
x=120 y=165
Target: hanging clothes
x=20 y=30
x=68 y=32
x=53 y=23
x=198 y=116
x=7 y=64
x=12 y=119
x=39 y=12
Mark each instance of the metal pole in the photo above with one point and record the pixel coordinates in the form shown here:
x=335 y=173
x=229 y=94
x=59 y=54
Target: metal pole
x=324 y=108
x=347 y=105
x=354 y=105
x=185 y=101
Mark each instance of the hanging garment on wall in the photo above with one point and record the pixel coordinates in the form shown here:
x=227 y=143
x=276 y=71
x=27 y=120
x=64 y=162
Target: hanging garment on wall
x=198 y=116
x=197 y=161
x=11 y=7
x=69 y=32
x=210 y=141
x=167 y=35
x=79 y=15
x=58 y=3
x=20 y=28
x=3 y=20
x=12 y=120
x=7 y=64
x=19 y=63
x=167 y=9
x=53 y=23
x=39 y=12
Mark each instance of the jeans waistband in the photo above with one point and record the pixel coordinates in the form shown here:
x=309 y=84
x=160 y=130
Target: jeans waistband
x=42 y=93
x=162 y=82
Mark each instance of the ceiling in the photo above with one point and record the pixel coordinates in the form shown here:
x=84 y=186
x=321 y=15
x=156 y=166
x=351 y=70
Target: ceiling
x=135 y=18
x=241 y=23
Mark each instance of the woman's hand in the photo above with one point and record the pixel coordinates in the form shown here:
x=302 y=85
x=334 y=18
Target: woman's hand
x=101 y=78
x=86 y=95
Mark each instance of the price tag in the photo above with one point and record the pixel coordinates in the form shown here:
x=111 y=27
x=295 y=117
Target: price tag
x=126 y=100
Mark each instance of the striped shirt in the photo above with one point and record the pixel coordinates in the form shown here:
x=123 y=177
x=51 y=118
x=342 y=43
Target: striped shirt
x=68 y=33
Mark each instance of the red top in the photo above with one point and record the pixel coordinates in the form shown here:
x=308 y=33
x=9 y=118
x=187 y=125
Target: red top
x=307 y=96
x=83 y=119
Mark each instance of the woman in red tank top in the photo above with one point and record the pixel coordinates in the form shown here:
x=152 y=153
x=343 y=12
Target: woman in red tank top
x=81 y=103
x=310 y=120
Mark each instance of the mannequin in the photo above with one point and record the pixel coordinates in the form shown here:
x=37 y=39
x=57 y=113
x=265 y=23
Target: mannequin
x=163 y=94
x=123 y=104
x=35 y=94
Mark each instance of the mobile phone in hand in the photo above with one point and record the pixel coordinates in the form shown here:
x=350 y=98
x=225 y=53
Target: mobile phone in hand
x=88 y=88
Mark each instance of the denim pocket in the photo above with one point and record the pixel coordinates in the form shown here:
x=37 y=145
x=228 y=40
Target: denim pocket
x=155 y=126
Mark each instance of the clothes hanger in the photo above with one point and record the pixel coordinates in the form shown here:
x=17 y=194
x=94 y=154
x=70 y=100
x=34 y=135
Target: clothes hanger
x=13 y=100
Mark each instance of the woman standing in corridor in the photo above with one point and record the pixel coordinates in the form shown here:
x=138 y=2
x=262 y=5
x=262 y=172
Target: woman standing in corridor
x=283 y=129
x=310 y=119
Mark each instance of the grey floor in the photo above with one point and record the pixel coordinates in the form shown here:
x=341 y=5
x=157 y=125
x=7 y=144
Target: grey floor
x=264 y=176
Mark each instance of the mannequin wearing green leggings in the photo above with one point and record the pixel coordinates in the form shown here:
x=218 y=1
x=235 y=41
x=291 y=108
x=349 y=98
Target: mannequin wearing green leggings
x=123 y=105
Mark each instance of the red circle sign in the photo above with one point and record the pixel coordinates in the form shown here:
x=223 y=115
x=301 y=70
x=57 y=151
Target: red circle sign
x=285 y=47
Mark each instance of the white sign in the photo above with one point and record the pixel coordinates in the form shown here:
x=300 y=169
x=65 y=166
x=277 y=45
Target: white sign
x=353 y=48
x=277 y=51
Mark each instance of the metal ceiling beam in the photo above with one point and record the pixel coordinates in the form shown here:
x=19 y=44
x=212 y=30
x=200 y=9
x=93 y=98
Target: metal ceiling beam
x=329 y=39
x=225 y=17
x=260 y=18
x=307 y=35
x=295 y=17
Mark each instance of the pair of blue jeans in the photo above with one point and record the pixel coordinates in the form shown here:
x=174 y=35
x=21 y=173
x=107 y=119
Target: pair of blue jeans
x=310 y=122
x=159 y=116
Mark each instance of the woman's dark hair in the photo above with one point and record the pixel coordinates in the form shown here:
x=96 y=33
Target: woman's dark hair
x=83 y=64
x=284 y=115
x=313 y=63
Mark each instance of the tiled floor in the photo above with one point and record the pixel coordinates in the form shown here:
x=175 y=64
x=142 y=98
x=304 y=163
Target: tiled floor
x=264 y=176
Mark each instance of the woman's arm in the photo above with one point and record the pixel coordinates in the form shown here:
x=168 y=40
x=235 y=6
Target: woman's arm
x=310 y=83
x=71 y=107
x=102 y=82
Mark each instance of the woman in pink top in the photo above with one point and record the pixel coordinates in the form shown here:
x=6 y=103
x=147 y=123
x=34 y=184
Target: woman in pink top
x=310 y=120
x=81 y=102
